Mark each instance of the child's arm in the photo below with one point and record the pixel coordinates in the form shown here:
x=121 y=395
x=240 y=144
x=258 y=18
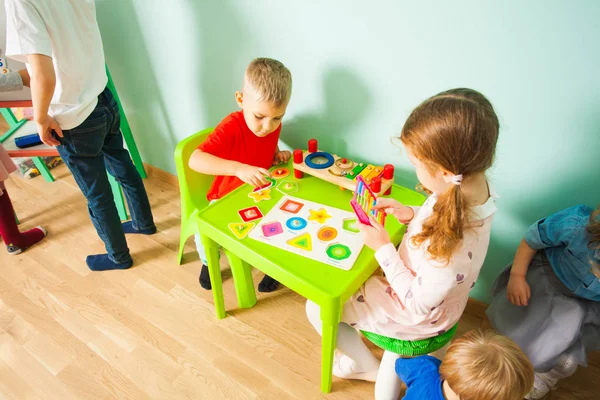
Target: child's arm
x=518 y=291
x=43 y=81
x=556 y=230
x=419 y=296
x=208 y=164
x=403 y=213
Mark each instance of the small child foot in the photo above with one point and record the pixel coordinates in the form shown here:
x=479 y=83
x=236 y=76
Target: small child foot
x=128 y=228
x=205 y=278
x=346 y=368
x=28 y=239
x=268 y=285
x=101 y=262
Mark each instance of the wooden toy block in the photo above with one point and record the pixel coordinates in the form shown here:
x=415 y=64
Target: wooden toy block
x=357 y=170
x=340 y=171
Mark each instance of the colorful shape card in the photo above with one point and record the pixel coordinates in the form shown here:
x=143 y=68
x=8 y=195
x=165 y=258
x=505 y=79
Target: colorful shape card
x=272 y=229
x=241 y=229
x=250 y=214
x=287 y=187
x=260 y=196
x=303 y=242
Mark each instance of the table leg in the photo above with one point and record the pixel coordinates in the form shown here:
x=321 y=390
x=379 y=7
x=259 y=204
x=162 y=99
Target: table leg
x=330 y=317
x=242 y=279
x=214 y=269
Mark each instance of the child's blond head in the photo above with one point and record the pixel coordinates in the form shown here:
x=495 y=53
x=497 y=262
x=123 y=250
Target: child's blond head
x=487 y=366
x=270 y=79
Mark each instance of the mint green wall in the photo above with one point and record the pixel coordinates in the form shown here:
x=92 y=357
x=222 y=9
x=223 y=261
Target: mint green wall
x=360 y=69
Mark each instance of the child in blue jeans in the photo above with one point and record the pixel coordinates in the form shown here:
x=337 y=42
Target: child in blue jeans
x=548 y=300
x=74 y=110
x=477 y=366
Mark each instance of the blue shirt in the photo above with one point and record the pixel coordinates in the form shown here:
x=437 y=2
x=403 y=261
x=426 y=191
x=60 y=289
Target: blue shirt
x=565 y=239
x=422 y=378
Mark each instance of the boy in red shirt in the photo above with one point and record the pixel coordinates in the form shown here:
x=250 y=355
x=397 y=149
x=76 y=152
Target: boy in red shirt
x=244 y=145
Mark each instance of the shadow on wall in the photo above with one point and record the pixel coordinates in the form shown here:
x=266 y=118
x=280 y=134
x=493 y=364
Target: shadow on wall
x=225 y=47
x=578 y=184
x=131 y=67
x=575 y=184
x=347 y=103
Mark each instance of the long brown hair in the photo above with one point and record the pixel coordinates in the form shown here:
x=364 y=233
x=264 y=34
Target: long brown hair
x=594 y=229
x=455 y=130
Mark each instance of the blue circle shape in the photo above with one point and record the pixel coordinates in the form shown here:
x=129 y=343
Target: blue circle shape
x=309 y=160
x=296 y=223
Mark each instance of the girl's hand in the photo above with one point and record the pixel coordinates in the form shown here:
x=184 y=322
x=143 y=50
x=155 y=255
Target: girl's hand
x=281 y=157
x=393 y=207
x=375 y=236
x=254 y=176
x=518 y=291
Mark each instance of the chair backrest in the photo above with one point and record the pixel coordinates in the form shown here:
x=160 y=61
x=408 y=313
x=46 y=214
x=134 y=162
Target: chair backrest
x=193 y=186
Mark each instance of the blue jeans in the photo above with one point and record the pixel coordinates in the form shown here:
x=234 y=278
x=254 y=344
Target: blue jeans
x=91 y=149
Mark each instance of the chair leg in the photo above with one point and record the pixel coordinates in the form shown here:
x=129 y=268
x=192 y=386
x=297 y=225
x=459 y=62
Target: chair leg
x=182 y=240
x=43 y=168
x=388 y=385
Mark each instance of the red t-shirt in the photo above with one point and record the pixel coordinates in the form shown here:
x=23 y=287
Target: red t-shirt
x=233 y=140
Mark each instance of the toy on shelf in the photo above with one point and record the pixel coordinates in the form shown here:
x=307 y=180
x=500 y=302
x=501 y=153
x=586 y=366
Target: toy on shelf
x=363 y=202
x=341 y=170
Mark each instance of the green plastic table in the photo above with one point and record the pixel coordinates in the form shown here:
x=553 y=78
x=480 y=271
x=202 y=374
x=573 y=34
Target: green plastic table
x=328 y=286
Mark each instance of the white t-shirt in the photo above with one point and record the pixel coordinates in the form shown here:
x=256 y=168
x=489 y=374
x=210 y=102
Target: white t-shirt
x=67 y=31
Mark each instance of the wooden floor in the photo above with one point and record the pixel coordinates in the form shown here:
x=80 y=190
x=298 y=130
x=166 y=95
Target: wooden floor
x=151 y=331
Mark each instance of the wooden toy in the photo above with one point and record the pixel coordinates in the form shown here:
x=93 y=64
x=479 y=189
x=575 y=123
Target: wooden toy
x=342 y=171
x=363 y=202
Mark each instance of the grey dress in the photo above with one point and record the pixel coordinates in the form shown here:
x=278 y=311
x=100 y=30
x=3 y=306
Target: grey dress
x=555 y=321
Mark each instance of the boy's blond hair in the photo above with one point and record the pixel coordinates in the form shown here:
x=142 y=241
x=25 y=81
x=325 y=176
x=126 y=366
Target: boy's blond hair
x=487 y=366
x=271 y=80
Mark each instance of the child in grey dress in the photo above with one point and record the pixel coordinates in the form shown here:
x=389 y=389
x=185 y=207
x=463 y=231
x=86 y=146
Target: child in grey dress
x=548 y=300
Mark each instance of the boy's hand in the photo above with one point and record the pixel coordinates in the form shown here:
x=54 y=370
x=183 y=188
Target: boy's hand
x=251 y=175
x=45 y=126
x=400 y=211
x=281 y=157
x=375 y=236
x=518 y=291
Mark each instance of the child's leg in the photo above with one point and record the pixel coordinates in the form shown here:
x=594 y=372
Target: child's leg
x=118 y=163
x=9 y=231
x=204 y=278
x=268 y=284
x=359 y=362
x=388 y=385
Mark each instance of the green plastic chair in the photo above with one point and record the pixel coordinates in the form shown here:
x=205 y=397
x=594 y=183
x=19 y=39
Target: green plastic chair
x=193 y=187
